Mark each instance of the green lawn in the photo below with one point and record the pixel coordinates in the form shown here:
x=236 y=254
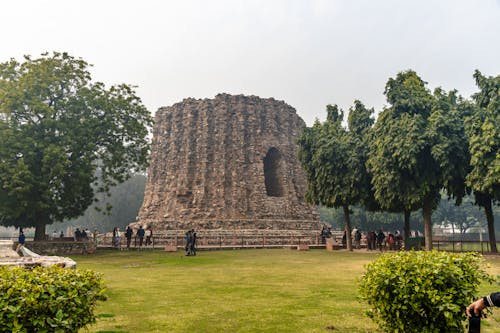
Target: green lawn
x=237 y=291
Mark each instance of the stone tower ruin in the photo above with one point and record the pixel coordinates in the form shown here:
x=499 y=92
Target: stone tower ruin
x=227 y=164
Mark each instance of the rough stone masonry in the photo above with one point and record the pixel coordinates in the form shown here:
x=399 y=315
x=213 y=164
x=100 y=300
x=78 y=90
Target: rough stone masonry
x=227 y=164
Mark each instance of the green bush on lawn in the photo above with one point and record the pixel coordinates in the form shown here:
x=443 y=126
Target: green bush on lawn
x=421 y=291
x=48 y=299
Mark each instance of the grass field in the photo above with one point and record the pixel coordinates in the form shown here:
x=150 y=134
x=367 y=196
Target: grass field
x=238 y=291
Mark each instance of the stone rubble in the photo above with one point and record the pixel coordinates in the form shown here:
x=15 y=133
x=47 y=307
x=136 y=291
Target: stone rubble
x=9 y=257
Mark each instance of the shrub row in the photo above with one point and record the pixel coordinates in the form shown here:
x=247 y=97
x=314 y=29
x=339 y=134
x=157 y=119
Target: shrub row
x=48 y=299
x=421 y=291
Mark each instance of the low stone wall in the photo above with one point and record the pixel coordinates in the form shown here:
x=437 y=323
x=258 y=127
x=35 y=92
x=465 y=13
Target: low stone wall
x=61 y=247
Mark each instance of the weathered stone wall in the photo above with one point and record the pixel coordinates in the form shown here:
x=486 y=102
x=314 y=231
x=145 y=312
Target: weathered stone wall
x=52 y=248
x=226 y=163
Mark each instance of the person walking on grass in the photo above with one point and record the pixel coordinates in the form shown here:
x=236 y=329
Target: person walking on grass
x=193 y=242
x=188 y=243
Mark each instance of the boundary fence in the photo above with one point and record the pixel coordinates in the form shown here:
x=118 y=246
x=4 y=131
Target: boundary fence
x=218 y=241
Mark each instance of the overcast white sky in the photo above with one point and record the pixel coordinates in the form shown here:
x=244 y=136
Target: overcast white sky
x=307 y=53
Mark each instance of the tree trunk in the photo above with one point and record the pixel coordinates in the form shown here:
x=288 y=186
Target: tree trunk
x=347 y=224
x=40 y=224
x=491 y=225
x=39 y=232
x=426 y=214
x=407 y=227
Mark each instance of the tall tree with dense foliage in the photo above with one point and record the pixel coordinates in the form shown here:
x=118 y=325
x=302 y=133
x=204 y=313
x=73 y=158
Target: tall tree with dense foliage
x=483 y=129
x=417 y=149
x=334 y=159
x=57 y=128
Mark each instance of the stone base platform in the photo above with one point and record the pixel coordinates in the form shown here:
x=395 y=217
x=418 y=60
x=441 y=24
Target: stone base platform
x=236 y=237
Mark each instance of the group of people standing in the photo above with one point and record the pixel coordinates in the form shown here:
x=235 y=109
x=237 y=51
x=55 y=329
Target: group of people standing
x=141 y=235
x=190 y=243
x=82 y=235
x=375 y=240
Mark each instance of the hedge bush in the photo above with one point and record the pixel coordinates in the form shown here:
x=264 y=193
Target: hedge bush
x=48 y=299
x=421 y=291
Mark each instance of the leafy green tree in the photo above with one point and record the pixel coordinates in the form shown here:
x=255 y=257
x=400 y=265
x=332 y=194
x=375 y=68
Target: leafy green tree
x=56 y=129
x=417 y=149
x=334 y=159
x=394 y=186
x=483 y=129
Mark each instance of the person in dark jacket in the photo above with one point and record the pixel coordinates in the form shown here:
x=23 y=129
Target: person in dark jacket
x=140 y=234
x=476 y=307
x=188 y=243
x=128 y=236
x=380 y=239
x=21 y=240
x=193 y=242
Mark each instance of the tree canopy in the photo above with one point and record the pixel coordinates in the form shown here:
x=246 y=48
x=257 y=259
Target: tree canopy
x=334 y=159
x=483 y=129
x=418 y=148
x=57 y=128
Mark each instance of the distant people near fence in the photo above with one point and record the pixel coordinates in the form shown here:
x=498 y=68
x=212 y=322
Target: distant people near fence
x=399 y=239
x=84 y=235
x=323 y=235
x=54 y=235
x=357 y=239
x=116 y=237
x=90 y=236
x=391 y=241
x=188 y=243
x=193 y=242
x=78 y=235
x=140 y=235
x=354 y=232
x=149 y=235
x=128 y=236
x=380 y=239
x=61 y=235
x=371 y=241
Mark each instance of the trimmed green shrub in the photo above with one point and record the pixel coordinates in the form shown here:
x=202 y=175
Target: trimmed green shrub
x=421 y=291
x=48 y=299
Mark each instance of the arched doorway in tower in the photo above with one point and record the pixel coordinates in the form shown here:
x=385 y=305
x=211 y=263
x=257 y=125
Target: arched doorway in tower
x=273 y=173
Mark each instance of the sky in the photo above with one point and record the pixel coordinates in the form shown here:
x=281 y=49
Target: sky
x=309 y=53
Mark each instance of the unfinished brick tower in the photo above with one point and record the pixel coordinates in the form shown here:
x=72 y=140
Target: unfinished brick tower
x=227 y=166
